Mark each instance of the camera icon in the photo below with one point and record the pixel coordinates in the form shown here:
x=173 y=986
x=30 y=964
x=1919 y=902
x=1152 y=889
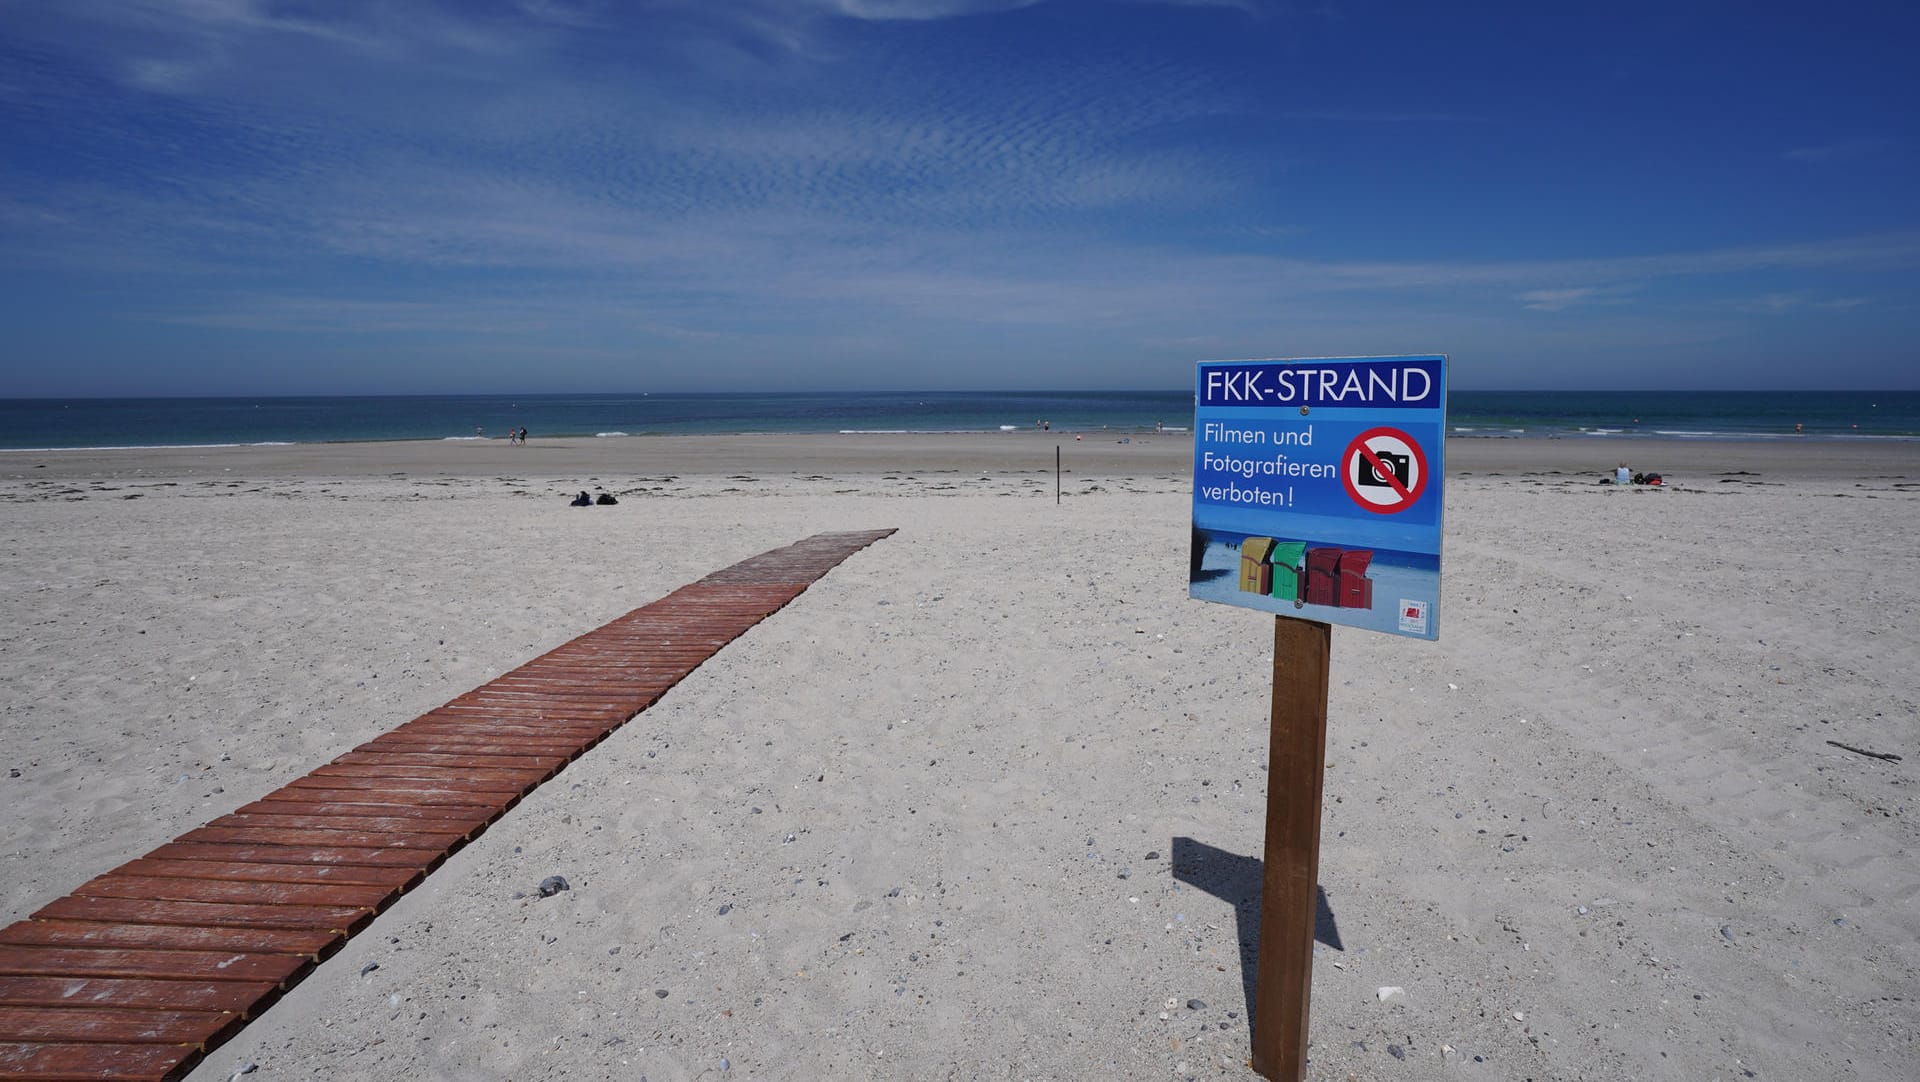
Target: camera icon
x=1398 y=465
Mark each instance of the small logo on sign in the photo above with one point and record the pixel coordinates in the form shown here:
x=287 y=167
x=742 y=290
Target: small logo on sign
x=1413 y=617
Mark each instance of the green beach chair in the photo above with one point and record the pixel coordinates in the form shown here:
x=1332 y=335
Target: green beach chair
x=1289 y=565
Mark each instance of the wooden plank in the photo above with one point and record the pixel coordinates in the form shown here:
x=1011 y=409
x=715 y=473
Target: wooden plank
x=454 y=724
x=616 y=681
x=521 y=777
x=558 y=694
x=446 y=739
x=366 y=806
x=158 y=965
x=454 y=744
x=504 y=706
x=247 y=892
x=65 y=1062
x=532 y=712
x=623 y=651
x=267 y=853
x=323 y=918
x=615 y=648
x=117 y=1025
x=457 y=790
x=523 y=740
x=433 y=843
x=552 y=692
x=547 y=763
x=599 y=670
x=350 y=799
x=363 y=823
x=85 y=933
x=235 y=997
x=362 y=874
x=598 y=659
x=531 y=722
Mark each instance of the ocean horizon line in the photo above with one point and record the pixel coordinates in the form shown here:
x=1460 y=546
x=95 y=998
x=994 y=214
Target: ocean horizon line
x=132 y=423
x=874 y=392
x=1467 y=434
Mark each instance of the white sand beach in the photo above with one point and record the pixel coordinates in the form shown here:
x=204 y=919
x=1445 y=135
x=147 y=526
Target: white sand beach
x=1596 y=832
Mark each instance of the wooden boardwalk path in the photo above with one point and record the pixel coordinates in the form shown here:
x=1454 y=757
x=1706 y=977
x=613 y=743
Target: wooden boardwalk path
x=140 y=972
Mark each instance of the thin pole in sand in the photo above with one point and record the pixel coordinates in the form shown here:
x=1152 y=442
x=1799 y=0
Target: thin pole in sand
x=1056 y=475
x=1283 y=976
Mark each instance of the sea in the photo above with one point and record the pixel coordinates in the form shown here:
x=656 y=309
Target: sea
x=56 y=423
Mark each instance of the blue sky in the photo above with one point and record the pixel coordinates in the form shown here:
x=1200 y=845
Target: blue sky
x=244 y=196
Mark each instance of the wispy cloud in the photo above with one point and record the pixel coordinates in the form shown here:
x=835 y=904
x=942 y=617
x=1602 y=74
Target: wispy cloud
x=919 y=9
x=1382 y=116
x=924 y=10
x=1844 y=150
x=1786 y=302
x=1555 y=300
x=1773 y=303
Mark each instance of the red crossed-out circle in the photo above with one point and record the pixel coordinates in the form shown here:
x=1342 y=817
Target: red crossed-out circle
x=1360 y=455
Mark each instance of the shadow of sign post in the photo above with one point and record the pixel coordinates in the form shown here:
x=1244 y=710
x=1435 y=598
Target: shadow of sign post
x=1236 y=880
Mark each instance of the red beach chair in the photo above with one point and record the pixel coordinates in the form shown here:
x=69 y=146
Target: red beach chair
x=1323 y=586
x=1356 y=589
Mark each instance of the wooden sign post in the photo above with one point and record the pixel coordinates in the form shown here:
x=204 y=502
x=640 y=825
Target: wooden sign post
x=1318 y=488
x=1283 y=977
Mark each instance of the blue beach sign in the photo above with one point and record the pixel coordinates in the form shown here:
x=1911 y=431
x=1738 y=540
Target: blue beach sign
x=1317 y=489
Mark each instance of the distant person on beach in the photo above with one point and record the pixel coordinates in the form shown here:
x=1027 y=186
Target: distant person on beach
x=523 y=435
x=1623 y=475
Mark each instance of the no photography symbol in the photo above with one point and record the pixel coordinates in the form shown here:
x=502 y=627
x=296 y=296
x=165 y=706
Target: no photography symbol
x=1384 y=470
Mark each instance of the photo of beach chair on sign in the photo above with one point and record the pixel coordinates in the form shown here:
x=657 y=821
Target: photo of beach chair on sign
x=1256 y=565
x=1291 y=571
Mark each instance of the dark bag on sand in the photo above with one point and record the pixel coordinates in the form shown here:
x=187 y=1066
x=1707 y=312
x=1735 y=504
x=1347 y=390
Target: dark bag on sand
x=582 y=500
x=605 y=499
